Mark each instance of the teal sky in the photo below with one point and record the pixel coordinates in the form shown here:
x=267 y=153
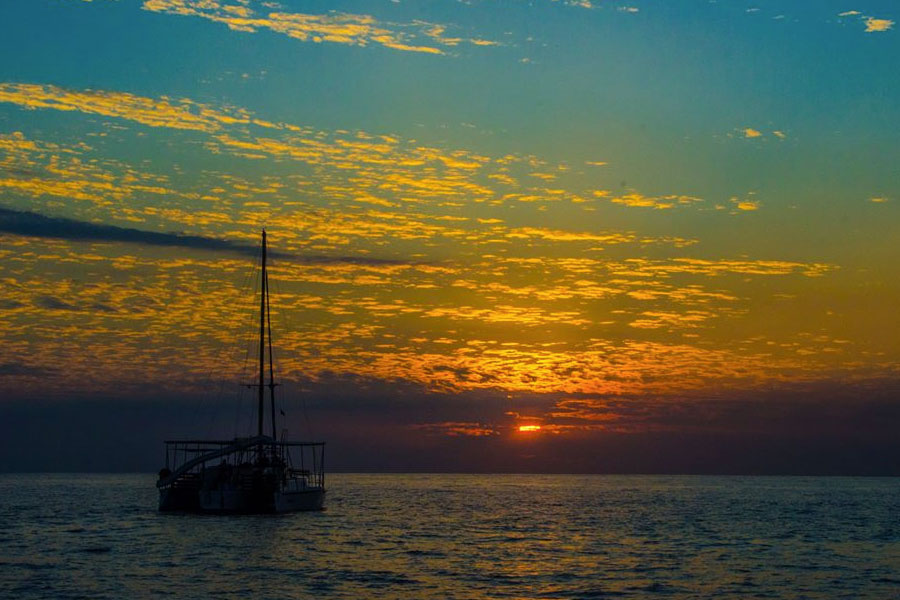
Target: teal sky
x=660 y=94
x=594 y=206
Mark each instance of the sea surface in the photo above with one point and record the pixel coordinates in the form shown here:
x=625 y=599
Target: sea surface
x=461 y=536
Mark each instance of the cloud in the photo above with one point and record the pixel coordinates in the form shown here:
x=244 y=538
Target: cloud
x=52 y=303
x=823 y=408
x=743 y=267
x=153 y=112
x=751 y=133
x=661 y=319
x=745 y=204
x=36 y=225
x=457 y=428
x=20 y=369
x=524 y=316
x=578 y=3
x=334 y=27
x=636 y=199
x=873 y=24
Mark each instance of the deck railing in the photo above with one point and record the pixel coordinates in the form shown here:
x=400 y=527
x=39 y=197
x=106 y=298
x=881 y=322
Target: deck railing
x=301 y=459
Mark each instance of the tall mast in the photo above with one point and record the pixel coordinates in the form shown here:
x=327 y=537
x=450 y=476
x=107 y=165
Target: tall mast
x=262 y=336
x=271 y=356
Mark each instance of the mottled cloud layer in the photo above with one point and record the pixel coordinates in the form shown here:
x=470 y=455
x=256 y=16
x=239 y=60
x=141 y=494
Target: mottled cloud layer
x=413 y=270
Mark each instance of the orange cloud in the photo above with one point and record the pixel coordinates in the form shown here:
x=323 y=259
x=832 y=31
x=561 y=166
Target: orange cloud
x=635 y=199
x=458 y=428
x=338 y=28
x=875 y=25
x=153 y=112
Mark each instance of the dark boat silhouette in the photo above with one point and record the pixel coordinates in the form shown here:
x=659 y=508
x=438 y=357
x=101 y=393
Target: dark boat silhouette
x=257 y=474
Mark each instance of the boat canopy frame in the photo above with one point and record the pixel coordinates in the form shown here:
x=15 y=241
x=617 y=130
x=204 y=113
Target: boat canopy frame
x=309 y=462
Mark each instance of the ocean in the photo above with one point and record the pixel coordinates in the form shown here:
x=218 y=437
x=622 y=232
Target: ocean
x=461 y=536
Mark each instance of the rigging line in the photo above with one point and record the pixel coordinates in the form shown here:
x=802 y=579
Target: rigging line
x=262 y=341
x=271 y=357
x=201 y=399
x=165 y=310
x=285 y=315
x=208 y=393
x=264 y=308
x=240 y=315
x=285 y=325
x=306 y=421
x=227 y=349
x=246 y=312
x=248 y=338
x=282 y=314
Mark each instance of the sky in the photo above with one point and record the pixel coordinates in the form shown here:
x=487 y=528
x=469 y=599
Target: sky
x=556 y=235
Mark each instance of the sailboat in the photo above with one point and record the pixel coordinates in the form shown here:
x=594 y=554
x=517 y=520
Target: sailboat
x=256 y=474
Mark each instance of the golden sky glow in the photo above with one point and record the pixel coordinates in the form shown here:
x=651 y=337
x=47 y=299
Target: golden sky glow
x=440 y=218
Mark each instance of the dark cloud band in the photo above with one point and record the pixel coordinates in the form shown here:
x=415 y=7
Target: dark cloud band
x=33 y=224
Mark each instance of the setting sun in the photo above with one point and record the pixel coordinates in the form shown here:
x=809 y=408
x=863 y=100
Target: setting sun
x=528 y=428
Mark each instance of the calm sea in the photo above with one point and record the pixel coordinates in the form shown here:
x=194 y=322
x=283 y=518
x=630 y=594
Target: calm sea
x=461 y=536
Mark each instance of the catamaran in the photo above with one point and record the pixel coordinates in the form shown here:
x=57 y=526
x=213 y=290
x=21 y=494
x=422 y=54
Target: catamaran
x=256 y=474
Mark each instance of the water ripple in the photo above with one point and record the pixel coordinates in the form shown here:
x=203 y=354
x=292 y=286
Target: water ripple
x=460 y=536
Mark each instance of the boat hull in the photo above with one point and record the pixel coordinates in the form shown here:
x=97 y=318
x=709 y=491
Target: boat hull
x=178 y=499
x=239 y=501
x=312 y=499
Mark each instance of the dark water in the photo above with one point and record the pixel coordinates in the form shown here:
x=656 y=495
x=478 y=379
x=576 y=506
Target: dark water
x=461 y=536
